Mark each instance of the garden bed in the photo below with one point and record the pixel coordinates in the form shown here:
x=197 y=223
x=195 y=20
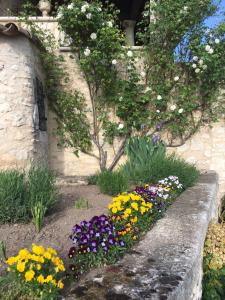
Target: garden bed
x=58 y=224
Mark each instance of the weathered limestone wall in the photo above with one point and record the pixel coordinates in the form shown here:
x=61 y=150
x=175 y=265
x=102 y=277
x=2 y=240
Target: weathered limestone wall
x=167 y=263
x=19 y=141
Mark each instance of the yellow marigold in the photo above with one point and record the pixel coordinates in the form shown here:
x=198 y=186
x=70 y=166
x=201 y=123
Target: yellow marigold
x=39 y=250
x=60 y=284
x=39 y=267
x=20 y=266
x=41 y=279
x=29 y=275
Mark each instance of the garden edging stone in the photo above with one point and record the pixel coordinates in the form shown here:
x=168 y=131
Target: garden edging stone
x=167 y=263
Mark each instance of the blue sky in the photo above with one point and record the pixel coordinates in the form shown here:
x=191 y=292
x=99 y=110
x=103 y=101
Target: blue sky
x=211 y=22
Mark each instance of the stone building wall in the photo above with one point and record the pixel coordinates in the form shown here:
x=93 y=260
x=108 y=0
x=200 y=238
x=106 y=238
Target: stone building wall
x=20 y=140
x=205 y=149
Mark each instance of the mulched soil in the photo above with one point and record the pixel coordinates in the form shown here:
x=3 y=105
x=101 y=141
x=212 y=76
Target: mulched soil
x=58 y=223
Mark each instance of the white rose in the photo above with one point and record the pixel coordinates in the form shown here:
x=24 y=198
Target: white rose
x=93 y=36
x=129 y=53
x=110 y=24
x=194 y=66
x=180 y=110
x=84 y=8
x=204 y=67
x=148 y=89
x=158 y=111
x=217 y=41
x=185 y=8
x=201 y=62
x=87 y=52
x=70 y=6
x=143 y=74
x=59 y=15
x=114 y=61
x=173 y=107
x=88 y=16
x=211 y=51
x=159 y=97
x=197 y=70
x=207 y=48
x=176 y=78
x=121 y=126
x=195 y=58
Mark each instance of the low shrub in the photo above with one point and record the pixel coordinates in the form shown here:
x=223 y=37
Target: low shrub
x=35 y=274
x=112 y=183
x=92 y=179
x=214 y=263
x=148 y=162
x=13 y=205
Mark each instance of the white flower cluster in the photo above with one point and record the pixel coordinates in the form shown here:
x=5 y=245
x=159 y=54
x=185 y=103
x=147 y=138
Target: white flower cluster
x=166 y=185
x=84 y=7
x=120 y=126
x=198 y=64
x=209 y=49
x=70 y=6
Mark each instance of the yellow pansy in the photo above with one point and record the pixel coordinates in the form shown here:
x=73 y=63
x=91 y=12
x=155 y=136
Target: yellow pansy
x=47 y=255
x=41 y=279
x=60 y=284
x=128 y=211
x=134 y=205
x=49 y=278
x=143 y=210
x=20 y=266
x=29 y=275
x=39 y=250
x=51 y=250
x=24 y=253
x=11 y=260
x=114 y=210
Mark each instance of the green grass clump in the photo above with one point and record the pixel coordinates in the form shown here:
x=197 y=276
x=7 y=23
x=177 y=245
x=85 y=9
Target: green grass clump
x=81 y=203
x=148 y=162
x=13 y=205
x=26 y=196
x=112 y=183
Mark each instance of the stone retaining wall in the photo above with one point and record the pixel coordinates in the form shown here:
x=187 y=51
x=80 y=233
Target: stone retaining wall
x=167 y=263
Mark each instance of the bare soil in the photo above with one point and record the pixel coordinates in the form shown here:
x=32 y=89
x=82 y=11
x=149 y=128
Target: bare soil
x=58 y=223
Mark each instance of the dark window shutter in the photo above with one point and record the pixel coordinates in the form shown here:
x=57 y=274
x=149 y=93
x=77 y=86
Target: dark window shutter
x=40 y=100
